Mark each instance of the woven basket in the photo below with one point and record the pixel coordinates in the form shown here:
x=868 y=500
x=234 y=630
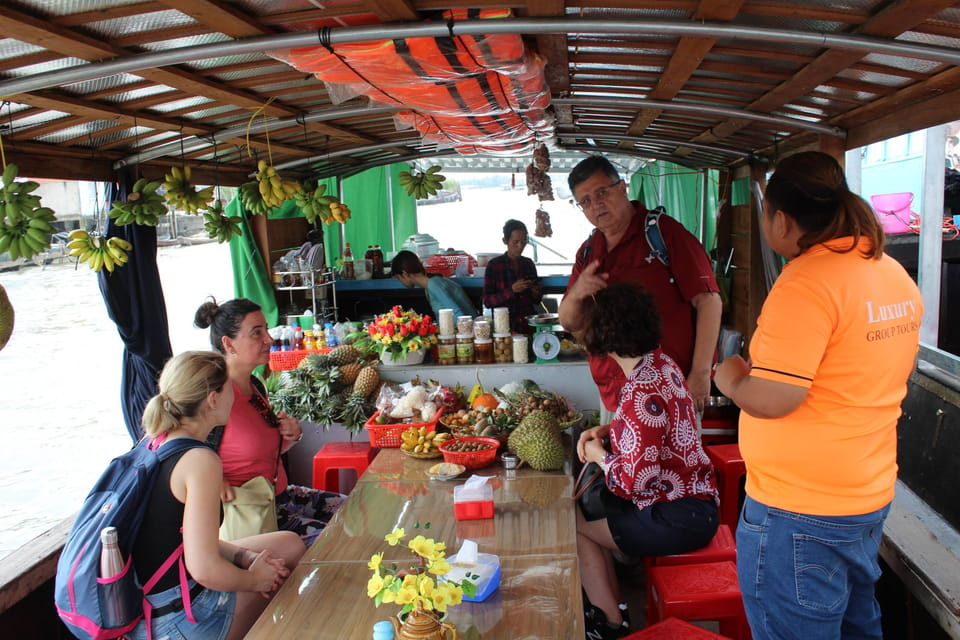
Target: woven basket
x=433 y=453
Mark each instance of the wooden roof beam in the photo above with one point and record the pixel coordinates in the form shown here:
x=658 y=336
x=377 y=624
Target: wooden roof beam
x=891 y=21
x=391 y=10
x=690 y=52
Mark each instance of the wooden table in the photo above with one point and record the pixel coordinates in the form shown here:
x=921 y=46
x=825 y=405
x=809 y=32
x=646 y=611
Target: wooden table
x=533 y=531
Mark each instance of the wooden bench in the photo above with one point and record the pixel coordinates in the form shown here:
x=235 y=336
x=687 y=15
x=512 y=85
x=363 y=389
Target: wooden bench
x=924 y=551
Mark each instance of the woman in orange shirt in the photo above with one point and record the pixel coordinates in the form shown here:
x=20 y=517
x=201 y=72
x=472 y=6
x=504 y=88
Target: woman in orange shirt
x=835 y=344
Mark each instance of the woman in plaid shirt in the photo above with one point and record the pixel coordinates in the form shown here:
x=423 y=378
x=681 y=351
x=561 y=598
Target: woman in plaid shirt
x=511 y=279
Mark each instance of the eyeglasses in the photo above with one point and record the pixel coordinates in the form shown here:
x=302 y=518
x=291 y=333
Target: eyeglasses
x=589 y=200
x=258 y=403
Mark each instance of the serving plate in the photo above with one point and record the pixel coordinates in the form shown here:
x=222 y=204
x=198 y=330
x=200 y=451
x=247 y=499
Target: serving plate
x=445 y=471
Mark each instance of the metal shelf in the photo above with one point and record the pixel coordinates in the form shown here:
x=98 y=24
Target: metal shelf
x=316 y=280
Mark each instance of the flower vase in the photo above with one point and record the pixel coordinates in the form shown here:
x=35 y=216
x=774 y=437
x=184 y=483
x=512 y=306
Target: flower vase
x=423 y=625
x=391 y=359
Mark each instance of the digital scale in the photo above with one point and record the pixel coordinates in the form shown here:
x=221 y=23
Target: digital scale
x=545 y=343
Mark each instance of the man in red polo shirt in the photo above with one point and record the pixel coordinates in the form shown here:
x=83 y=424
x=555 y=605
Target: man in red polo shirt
x=686 y=291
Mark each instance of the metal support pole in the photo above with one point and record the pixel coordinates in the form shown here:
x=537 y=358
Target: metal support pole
x=931 y=233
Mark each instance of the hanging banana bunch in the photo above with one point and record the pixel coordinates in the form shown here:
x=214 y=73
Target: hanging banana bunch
x=142 y=206
x=99 y=252
x=24 y=225
x=422 y=185
x=316 y=205
x=273 y=189
x=182 y=195
x=219 y=225
x=251 y=199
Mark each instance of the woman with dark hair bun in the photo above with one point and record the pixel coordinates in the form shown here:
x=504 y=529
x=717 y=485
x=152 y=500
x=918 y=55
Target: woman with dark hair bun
x=650 y=454
x=511 y=279
x=835 y=343
x=251 y=442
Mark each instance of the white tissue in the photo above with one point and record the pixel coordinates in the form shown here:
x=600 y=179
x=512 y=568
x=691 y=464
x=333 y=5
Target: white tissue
x=474 y=489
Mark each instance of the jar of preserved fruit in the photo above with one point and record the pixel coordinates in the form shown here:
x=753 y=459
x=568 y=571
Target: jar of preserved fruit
x=502 y=347
x=447 y=349
x=464 y=348
x=520 y=349
x=481 y=329
x=483 y=351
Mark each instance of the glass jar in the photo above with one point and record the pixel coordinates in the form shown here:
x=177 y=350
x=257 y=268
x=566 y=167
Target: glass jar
x=464 y=348
x=483 y=351
x=501 y=320
x=502 y=347
x=481 y=329
x=447 y=349
x=445 y=321
x=464 y=325
x=520 y=349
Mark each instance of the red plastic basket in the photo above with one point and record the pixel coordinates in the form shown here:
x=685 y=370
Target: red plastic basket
x=283 y=360
x=385 y=436
x=471 y=459
x=446 y=264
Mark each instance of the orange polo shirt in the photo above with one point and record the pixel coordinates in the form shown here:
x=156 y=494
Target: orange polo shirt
x=847 y=328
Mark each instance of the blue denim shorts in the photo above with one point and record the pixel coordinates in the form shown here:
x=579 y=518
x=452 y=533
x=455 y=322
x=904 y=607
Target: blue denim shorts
x=806 y=576
x=213 y=611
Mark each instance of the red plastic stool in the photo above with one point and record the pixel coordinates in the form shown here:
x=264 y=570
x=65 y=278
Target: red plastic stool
x=721 y=547
x=698 y=592
x=674 y=629
x=334 y=456
x=731 y=475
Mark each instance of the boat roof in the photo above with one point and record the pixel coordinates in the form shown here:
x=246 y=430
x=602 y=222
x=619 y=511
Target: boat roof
x=92 y=88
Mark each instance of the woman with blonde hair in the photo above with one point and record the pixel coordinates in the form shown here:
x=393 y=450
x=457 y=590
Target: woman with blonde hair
x=835 y=343
x=229 y=584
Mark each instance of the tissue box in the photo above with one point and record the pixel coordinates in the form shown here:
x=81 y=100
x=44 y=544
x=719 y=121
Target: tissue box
x=473 y=502
x=487 y=567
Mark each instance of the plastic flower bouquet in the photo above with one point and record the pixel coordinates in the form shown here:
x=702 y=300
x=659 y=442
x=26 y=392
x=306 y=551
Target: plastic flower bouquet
x=421 y=585
x=399 y=331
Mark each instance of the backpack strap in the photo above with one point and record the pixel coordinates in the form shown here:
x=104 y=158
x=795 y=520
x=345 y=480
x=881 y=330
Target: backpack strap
x=651 y=228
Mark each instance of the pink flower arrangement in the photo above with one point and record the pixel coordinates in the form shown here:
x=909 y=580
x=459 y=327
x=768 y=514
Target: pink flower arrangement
x=401 y=331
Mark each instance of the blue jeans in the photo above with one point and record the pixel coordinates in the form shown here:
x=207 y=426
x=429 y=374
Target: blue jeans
x=809 y=577
x=213 y=611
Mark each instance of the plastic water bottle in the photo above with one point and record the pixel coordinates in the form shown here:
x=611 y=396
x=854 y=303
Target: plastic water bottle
x=331 y=335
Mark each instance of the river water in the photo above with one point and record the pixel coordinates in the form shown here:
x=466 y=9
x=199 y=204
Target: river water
x=60 y=380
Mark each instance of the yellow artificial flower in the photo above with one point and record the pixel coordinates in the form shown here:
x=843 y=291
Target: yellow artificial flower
x=406 y=595
x=422 y=546
x=374 y=585
x=395 y=537
x=413 y=346
x=375 y=561
x=439 y=567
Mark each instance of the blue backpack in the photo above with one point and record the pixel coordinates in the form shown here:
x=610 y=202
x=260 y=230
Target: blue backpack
x=101 y=609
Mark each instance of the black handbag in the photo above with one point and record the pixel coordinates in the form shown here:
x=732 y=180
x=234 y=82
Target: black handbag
x=595 y=498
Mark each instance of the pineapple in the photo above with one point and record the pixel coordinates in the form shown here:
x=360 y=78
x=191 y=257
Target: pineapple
x=344 y=354
x=314 y=361
x=356 y=411
x=350 y=372
x=367 y=381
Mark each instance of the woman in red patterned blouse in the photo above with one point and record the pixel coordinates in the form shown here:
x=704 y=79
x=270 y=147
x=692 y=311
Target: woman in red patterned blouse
x=654 y=456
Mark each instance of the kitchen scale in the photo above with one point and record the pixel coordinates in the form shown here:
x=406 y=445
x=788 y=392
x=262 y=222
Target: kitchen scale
x=545 y=343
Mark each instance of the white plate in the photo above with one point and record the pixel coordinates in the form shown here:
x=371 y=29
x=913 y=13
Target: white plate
x=445 y=471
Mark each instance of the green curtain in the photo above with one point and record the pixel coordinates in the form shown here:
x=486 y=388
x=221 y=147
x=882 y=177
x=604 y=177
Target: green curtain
x=249 y=273
x=366 y=195
x=741 y=192
x=679 y=189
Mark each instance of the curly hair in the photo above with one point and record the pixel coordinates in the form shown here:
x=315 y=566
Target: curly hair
x=622 y=319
